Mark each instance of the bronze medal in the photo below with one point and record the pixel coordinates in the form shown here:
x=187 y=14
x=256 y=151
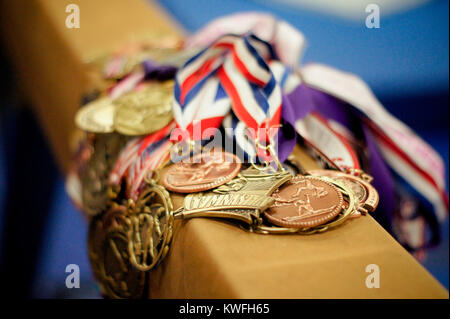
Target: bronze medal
x=365 y=193
x=305 y=202
x=348 y=211
x=203 y=172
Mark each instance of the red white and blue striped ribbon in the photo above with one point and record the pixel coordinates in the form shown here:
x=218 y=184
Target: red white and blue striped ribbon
x=139 y=158
x=288 y=42
x=313 y=128
x=248 y=80
x=231 y=70
x=236 y=129
x=148 y=160
x=126 y=157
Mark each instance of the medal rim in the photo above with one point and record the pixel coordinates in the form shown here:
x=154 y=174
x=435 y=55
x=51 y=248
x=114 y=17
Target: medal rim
x=84 y=115
x=372 y=197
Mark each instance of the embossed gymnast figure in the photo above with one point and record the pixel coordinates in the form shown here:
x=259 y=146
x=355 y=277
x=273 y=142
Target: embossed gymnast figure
x=304 y=207
x=200 y=171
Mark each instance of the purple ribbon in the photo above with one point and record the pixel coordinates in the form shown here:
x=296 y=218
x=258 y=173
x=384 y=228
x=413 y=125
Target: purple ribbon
x=158 y=72
x=295 y=106
x=382 y=181
x=304 y=100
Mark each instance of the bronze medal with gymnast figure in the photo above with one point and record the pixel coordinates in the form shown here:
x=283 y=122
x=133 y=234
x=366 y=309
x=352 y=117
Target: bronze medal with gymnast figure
x=304 y=202
x=203 y=172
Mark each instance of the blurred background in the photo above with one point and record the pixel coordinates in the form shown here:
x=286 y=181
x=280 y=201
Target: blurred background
x=405 y=62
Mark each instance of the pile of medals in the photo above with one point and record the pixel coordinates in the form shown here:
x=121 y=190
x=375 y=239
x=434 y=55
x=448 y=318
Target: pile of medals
x=130 y=235
x=127 y=238
x=266 y=201
x=125 y=170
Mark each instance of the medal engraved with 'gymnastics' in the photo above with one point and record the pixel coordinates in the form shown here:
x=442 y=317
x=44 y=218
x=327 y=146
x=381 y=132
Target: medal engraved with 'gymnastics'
x=243 y=198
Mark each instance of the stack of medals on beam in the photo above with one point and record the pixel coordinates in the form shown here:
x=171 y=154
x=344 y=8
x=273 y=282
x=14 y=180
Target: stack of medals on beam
x=148 y=135
x=128 y=200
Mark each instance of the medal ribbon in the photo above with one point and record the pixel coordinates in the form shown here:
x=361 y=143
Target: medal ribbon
x=236 y=129
x=300 y=111
x=130 y=161
x=127 y=84
x=254 y=92
x=236 y=66
x=140 y=157
x=150 y=70
x=287 y=42
x=405 y=152
x=315 y=129
x=148 y=160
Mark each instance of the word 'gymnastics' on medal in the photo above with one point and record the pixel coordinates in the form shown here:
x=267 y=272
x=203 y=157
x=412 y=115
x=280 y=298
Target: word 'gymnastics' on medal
x=244 y=198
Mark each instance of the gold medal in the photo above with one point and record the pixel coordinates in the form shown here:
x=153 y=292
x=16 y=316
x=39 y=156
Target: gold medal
x=108 y=243
x=96 y=116
x=243 y=198
x=152 y=221
x=145 y=111
x=127 y=241
x=95 y=192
